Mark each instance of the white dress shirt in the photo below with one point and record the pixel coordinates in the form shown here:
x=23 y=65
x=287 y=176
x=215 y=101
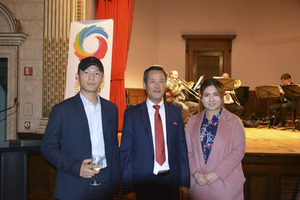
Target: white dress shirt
x=230 y=100
x=151 y=111
x=95 y=126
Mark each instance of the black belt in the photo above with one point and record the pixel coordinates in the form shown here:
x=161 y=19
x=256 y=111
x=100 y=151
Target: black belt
x=163 y=173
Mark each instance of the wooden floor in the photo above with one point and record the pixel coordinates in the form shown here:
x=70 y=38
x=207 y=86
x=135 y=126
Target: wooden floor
x=266 y=140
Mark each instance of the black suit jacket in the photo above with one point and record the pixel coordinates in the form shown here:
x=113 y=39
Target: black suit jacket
x=283 y=96
x=137 y=151
x=67 y=143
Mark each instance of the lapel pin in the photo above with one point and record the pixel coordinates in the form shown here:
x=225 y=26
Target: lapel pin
x=175 y=123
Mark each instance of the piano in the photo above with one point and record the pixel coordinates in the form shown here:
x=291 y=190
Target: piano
x=242 y=94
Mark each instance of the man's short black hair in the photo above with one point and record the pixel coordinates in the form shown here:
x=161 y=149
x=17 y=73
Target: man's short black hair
x=153 y=68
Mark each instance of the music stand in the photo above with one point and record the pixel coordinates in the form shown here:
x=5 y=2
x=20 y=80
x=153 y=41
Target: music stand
x=267 y=92
x=199 y=82
x=228 y=83
x=292 y=91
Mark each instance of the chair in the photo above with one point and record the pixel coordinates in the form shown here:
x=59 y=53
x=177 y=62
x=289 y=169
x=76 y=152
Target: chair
x=293 y=116
x=292 y=91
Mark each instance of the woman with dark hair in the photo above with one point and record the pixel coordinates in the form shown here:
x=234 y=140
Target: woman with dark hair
x=216 y=145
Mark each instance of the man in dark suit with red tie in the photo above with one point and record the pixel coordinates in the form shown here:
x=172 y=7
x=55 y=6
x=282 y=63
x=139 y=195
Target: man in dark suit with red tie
x=153 y=155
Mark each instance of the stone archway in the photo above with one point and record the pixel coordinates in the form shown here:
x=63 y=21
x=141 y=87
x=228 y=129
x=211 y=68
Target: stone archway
x=11 y=37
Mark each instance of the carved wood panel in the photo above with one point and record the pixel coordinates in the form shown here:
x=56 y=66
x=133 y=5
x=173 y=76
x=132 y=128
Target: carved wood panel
x=267 y=176
x=135 y=95
x=207 y=45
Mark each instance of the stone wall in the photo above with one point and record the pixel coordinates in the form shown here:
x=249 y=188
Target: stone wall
x=30 y=13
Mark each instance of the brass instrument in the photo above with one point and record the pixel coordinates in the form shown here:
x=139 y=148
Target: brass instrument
x=170 y=84
x=188 y=86
x=236 y=85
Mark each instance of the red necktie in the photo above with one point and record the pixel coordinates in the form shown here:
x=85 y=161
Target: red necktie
x=159 y=138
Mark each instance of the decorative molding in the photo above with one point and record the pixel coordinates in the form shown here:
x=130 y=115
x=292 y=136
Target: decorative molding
x=79 y=8
x=9 y=17
x=12 y=39
x=18 y=26
x=15 y=36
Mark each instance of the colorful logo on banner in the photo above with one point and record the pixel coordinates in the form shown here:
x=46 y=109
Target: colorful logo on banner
x=89 y=38
x=91 y=31
x=81 y=53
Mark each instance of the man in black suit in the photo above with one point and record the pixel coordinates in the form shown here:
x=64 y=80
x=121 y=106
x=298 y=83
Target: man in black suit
x=151 y=171
x=78 y=128
x=280 y=108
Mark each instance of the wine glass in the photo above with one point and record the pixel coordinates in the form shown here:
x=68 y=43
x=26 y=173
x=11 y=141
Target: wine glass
x=98 y=160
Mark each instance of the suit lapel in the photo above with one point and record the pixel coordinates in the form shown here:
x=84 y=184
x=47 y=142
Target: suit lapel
x=106 y=133
x=81 y=112
x=84 y=121
x=168 y=126
x=146 y=122
x=196 y=139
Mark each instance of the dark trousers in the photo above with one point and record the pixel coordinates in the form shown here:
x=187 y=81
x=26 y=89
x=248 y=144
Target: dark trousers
x=235 y=109
x=280 y=109
x=157 y=188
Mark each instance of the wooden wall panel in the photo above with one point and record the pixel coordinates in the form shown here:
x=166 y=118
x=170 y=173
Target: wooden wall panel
x=41 y=178
x=258 y=181
x=259 y=106
x=288 y=186
x=253 y=105
x=267 y=175
x=135 y=95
